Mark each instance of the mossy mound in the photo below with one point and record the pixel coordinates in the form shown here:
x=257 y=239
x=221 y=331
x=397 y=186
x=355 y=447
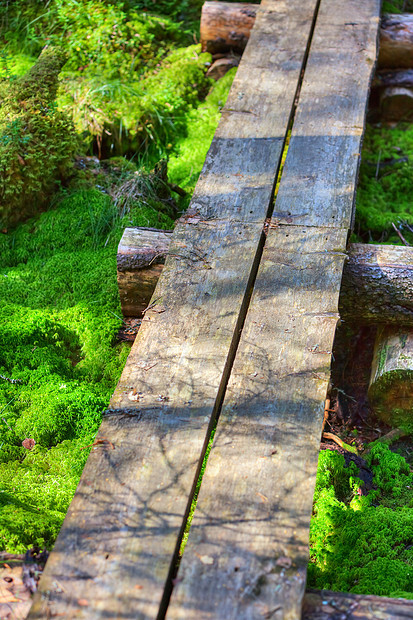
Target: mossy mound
x=362 y=544
x=36 y=141
x=59 y=362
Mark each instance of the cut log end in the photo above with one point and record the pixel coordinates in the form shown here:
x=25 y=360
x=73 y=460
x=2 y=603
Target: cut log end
x=391 y=384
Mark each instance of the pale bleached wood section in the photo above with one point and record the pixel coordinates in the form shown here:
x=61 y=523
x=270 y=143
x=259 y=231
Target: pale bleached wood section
x=324 y=152
x=247 y=551
x=325 y=605
x=113 y=554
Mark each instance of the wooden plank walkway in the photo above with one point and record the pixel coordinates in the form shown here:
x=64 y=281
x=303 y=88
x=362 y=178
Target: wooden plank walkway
x=254 y=507
x=247 y=550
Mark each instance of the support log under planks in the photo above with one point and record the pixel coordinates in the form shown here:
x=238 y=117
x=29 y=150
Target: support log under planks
x=376 y=285
x=117 y=544
x=247 y=550
x=326 y=605
x=227 y=25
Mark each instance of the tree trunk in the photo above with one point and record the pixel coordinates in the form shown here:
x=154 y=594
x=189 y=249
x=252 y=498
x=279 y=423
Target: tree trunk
x=226 y=26
x=391 y=384
x=141 y=255
x=377 y=285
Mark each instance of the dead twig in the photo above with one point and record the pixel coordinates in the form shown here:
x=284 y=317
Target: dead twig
x=400 y=235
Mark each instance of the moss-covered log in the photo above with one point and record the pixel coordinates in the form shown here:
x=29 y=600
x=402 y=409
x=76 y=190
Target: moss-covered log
x=377 y=285
x=391 y=383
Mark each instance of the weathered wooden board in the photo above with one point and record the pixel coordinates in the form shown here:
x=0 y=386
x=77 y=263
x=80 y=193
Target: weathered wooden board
x=248 y=545
x=325 y=605
x=117 y=544
x=324 y=152
x=247 y=551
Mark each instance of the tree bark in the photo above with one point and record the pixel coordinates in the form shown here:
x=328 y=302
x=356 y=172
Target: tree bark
x=377 y=285
x=141 y=255
x=226 y=26
x=391 y=384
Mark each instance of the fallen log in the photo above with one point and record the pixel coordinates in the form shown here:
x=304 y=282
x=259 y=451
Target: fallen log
x=391 y=384
x=326 y=605
x=376 y=287
x=227 y=25
x=396 y=41
x=392 y=95
x=140 y=258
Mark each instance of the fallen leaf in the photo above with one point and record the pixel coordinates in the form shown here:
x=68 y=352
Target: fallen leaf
x=28 y=443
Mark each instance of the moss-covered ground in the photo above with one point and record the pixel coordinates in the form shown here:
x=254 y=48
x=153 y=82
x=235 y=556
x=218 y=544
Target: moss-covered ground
x=134 y=87
x=59 y=305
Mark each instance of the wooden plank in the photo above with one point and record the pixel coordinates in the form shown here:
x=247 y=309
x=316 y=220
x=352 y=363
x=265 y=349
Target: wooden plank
x=325 y=605
x=247 y=550
x=115 y=549
x=248 y=545
x=324 y=151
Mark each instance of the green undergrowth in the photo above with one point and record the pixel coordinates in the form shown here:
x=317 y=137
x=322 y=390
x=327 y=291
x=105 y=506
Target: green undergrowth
x=363 y=543
x=59 y=315
x=131 y=76
x=384 y=195
x=190 y=151
x=59 y=362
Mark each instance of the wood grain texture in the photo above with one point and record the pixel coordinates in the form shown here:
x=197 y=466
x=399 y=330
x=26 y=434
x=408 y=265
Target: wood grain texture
x=377 y=284
x=247 y=551
x=115 y=549
x=324 y=152
x=325 y=605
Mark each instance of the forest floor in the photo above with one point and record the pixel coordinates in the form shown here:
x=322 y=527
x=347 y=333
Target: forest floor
x=63 y=341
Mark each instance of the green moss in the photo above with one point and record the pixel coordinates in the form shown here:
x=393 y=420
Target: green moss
x=185 y=164
x=384 y=193
x=36 y=141
x=57 y=345
x=362 y=544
